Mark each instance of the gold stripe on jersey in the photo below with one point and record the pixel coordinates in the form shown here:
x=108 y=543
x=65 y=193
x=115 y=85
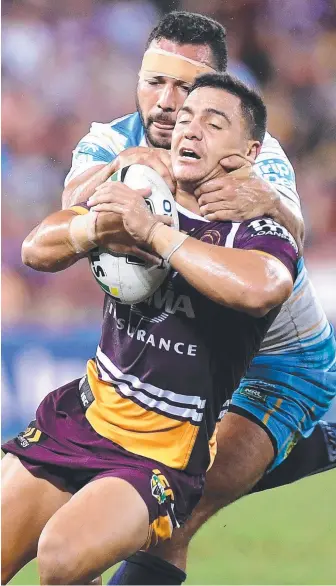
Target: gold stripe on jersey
x=81 y=211
x=136 y=429
x=272 y=410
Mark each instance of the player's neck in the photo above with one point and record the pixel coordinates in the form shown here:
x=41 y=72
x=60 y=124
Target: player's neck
x=185 y=192
x=187 y=200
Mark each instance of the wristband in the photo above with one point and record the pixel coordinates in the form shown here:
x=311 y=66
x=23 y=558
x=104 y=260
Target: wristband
x=169 y=253
x=152 y=231
x=82 y=232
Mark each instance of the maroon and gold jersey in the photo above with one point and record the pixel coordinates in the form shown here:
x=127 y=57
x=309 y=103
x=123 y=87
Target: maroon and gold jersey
x=165 y=367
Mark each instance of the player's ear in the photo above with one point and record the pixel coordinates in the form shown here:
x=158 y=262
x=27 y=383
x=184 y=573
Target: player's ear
x=253 y=148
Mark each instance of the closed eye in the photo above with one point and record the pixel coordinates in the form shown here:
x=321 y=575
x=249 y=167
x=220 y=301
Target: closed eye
x=215 y=126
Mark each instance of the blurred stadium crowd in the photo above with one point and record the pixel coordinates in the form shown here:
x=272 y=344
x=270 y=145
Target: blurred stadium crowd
x=71 y=62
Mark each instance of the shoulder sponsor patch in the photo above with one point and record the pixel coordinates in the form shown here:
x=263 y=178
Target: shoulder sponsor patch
x=268 y=227
x=278 y=171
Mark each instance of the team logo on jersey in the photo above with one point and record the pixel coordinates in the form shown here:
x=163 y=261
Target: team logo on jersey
x=211 y=237
x=268 y=227
x=88 y=147
x=160 y=487
x=30 y=436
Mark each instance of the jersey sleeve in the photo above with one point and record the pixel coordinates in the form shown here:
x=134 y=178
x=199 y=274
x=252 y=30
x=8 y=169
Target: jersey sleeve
x=273 y=165
x=266 y=235
x=95 y=148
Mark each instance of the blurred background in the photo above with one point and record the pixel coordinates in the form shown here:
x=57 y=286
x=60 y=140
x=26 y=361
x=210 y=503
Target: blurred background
x=71 y=62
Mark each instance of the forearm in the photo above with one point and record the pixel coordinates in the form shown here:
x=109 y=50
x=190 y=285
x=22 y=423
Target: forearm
x=53 y=245
x=289 y=215
x=82 y=187
x=243 y=280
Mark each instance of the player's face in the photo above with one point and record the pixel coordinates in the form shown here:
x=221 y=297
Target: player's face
x=209 y=126
x=159 y=97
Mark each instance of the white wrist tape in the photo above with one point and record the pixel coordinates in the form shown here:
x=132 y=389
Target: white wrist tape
x=82 y=232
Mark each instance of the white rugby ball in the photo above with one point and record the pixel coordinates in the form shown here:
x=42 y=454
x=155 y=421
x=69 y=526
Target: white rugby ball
x=125 y=277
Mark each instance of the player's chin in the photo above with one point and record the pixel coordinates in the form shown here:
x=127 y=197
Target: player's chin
x=159 y=139
x=186 y=175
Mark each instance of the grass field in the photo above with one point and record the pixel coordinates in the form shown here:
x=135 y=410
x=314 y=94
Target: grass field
x=284 y=536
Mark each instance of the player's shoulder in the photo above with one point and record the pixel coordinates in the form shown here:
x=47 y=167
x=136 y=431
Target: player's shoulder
x=273 y=164
x=117 y=135
x=104 y=142
x=263 y=226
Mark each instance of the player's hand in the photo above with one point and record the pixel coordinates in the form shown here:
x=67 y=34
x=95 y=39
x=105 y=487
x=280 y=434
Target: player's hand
x=110 y=231
x=157 y=159
x=111 y=234
x=238 y=196
x=137 y=219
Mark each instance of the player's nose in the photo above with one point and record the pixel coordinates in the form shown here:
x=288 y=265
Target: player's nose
x=167 y=99
x=193 y=130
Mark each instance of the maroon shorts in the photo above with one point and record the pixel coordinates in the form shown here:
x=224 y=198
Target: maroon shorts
x=62 y=447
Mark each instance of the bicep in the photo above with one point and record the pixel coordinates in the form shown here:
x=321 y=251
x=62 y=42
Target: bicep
x=264 y=235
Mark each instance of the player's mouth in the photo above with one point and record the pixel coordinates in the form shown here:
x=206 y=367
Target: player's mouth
x=162 y=125
x=188 y=154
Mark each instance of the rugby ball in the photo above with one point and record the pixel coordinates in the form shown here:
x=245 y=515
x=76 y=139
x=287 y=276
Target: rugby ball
x=127 y=278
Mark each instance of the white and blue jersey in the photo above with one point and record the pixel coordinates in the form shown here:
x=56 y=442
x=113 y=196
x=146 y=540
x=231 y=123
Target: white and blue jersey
x=292 y=381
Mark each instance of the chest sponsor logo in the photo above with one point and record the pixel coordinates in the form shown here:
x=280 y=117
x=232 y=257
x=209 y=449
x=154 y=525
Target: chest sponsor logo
x=134 y=326
x=171 y=303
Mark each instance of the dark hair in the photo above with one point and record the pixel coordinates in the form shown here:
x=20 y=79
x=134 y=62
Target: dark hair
x=252 y=105
x=194 y=29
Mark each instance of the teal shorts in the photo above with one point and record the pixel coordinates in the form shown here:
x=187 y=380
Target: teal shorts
x=287 y=394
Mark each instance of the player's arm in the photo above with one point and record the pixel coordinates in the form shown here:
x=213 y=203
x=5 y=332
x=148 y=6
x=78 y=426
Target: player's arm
x=81 y=187
x=49 y=246
x=92 y=165
x=289 y=214
x=268 y=189
x=245 y=280
x=66 y=236
x=94 y=161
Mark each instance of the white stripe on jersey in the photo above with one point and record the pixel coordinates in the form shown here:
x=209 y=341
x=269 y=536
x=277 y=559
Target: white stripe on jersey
x=231 y=235
x=158 y=397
